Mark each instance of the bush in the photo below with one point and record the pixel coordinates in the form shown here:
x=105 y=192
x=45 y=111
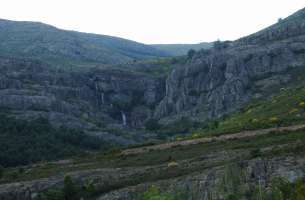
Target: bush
x=172 y=164
x=191 y=53
x=255 y=153
x=23 y=142
x=1 y=171
x=152 y=125
x=89 y=189
x=219 y=45
x=154 y=193
x=53 y=194
x=70 y=190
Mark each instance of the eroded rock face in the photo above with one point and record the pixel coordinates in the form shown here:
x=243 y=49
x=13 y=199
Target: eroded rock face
x=219 y=81
x=81 y=100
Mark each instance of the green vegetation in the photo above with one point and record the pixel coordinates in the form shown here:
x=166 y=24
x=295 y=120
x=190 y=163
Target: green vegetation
x=154 y=193
x=158 y=67
x=279 y=144
x=191 y=53
x=70 y=191
x=181 y=126
x=181 y=49
x=284 y=109
x=23 y=142
x=234 y=185
x=69 y=48
x=1 y=171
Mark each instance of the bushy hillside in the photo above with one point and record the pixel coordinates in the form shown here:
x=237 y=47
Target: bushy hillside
x=23 y=142
x=48 y=43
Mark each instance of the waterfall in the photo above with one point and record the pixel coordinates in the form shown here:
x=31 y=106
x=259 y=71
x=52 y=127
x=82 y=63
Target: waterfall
x=102 y=96
x=124 y=120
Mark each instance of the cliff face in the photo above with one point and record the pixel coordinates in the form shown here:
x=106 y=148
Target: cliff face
x=220 y=80
x=212 y=83
x=91 y=101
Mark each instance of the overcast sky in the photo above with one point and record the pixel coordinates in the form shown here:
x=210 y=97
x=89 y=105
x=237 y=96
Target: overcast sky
x=155 y=21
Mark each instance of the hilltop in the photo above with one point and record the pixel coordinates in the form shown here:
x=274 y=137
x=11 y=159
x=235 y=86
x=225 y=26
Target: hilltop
x=50 y=44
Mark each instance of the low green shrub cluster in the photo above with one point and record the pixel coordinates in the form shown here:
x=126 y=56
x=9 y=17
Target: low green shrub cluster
x=154 y=193
x=70 y=191
x=23 y=142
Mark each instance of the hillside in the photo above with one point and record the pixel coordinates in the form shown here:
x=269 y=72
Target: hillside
x=221 y=80
x=52 y=45
x=181 y=49
x=226 y=123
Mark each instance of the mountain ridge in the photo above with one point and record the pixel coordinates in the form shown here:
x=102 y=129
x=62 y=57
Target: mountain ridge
x=43 y=41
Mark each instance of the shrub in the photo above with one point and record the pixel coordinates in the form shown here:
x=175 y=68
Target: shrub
x=70 y=190
x=52 y=194
x=254 y=120
x=300 y=190
x=302 y=104
x=219 y=45
x=1 y=171
x=172 y=164
x=40 y=141
x=191 y=53
x=89 y=189
x=153 y=193
x=274 y=120
x=152 y=125
x=255 y=153
x=294 y=110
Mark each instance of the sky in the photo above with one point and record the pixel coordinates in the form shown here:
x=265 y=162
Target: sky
x=155 y=21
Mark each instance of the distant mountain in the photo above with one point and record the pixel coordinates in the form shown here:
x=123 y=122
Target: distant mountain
x=48 y=43
x=181 y=49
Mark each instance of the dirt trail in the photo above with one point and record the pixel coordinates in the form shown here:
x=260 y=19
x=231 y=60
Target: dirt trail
x=239 y=135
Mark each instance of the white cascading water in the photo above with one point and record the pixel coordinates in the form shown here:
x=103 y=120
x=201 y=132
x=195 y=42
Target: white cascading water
x=124 y=119
x=102 y=96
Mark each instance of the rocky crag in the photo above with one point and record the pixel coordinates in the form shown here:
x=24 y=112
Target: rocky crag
x=210 y=84
x=93 y=101
x=220 y=80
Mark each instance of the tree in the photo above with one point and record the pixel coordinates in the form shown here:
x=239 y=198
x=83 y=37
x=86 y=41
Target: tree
x=219 y=45
x=279 y=20
x=152 y=125
x=1 y=171
x=191 y=53
x=69 y=190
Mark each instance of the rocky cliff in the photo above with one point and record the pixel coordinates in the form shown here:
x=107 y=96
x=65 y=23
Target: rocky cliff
x=95 y=101
x=220 y=80
x=210 y=84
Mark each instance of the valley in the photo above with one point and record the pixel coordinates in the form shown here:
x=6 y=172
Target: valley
x=86 y=116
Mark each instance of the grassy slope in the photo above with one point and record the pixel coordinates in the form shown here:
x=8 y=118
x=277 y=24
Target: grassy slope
x=287 y=107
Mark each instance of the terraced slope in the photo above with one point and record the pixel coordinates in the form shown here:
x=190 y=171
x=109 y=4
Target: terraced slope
x=178 y=168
